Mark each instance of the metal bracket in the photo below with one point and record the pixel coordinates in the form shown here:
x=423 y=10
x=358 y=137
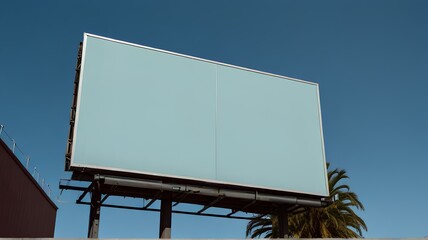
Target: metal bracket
x=105 y=198
x=153 y=200
x=181 y=198
x=243 y=208
x=89 y=188
x=218 y=199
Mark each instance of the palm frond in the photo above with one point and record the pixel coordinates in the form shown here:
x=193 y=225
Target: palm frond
x=335 y=221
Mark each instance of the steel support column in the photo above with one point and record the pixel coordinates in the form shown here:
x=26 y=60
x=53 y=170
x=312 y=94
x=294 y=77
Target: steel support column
x=165 y=216
x=283 y=222
x=94 y=214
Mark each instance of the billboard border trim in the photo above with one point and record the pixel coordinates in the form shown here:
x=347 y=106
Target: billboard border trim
x=83 y=166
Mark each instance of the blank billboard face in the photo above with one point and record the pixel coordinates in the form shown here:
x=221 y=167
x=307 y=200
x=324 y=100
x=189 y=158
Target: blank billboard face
x=148 y=111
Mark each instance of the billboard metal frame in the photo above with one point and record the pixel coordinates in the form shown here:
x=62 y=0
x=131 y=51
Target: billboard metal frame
x=170 y=195
x=117 y=171
x=172 y=190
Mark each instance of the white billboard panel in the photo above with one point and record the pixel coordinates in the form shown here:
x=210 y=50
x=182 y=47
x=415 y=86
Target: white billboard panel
x=149 y=111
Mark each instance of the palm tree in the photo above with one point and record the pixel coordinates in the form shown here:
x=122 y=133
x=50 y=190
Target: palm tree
x=338 y=220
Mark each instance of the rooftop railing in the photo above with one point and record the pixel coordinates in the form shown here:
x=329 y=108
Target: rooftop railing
x=25 y=160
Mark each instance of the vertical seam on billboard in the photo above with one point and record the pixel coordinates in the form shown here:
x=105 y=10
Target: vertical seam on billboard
x=215 y=120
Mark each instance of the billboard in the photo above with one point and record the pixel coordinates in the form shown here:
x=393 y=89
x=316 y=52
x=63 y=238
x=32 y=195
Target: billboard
x=147 y=111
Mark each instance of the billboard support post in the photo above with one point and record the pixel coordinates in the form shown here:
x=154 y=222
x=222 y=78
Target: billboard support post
x=283 y=222
x=165 y=216
x=95 y=209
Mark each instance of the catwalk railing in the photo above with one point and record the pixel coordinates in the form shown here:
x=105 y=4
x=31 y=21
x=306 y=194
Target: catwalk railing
x=25 y=159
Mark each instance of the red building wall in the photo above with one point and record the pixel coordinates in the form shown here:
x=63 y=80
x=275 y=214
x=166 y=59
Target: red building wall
x=25 y=209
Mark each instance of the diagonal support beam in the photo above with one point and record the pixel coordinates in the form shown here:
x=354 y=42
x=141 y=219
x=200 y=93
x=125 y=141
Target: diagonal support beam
x=243 y=208
x=105 y=198
x=292 y=208
x=89 y=188
x=218 y=199
x=153 y=200
x=181 y=198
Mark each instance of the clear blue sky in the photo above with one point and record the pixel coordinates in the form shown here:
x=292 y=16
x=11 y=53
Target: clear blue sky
x=369 y=57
